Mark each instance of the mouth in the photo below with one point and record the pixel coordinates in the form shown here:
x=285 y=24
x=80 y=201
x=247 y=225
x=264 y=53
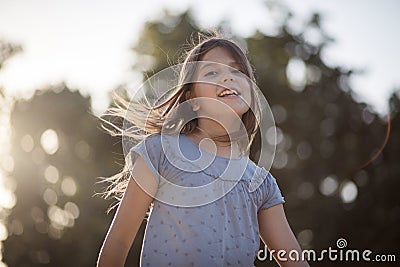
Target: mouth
x=228 y=92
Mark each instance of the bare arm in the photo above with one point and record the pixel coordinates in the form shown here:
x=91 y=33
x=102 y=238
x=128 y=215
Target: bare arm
x=275 y=232
x=128 y=217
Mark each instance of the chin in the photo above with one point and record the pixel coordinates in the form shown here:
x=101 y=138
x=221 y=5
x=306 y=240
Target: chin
x=241 y=111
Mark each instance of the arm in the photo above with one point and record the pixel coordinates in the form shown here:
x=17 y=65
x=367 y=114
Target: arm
x=275 y=232
x=128 y=217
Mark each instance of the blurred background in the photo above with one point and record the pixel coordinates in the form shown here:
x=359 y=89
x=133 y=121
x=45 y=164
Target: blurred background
x=329 y=70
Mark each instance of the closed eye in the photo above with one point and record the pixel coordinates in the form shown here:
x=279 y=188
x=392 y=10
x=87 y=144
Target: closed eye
x=236 y=71
x=210 y=73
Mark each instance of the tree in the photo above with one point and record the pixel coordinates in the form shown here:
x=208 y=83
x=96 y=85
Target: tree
x=59 y=151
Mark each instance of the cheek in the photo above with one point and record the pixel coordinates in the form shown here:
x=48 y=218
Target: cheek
x=246 y=94
x=204 y=90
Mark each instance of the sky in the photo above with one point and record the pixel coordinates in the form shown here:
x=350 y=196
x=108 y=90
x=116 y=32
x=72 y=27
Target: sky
x=87 y=44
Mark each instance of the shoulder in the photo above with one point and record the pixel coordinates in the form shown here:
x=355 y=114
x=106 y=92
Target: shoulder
x=152 y=142
x=158 y=145
x=260 y=177
x=257 y=172
x=159 y=139
x=149 y=148
x=152 y=139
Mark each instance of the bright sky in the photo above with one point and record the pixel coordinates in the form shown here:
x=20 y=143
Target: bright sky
x=87 y=43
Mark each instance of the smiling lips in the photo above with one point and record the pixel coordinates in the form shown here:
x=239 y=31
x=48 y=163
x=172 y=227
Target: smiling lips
x=228 y=92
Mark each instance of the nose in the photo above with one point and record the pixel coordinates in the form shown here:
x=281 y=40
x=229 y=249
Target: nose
x=227 y=77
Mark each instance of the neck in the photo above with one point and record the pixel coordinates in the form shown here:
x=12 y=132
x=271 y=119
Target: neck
x=211 y=135
x=222 y=140
x=216 y=129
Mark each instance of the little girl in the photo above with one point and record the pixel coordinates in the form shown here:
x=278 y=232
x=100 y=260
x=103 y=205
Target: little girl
x=210 y=204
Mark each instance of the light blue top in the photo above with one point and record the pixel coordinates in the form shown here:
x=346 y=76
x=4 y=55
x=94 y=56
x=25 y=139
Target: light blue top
x=222 y=232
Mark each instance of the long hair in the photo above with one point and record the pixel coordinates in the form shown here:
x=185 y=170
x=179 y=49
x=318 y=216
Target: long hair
x=147 y=119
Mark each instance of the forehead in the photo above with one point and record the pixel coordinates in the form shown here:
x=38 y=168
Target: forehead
x=220 y=55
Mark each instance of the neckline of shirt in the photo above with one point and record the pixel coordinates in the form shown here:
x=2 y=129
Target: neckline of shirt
x=191 y=142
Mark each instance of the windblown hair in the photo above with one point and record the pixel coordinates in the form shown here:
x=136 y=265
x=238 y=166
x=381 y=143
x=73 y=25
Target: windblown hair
x=145 y=119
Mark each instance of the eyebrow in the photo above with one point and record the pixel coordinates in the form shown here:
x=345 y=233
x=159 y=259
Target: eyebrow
x=232 y=64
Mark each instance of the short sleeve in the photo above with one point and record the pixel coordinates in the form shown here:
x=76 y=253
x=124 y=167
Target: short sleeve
x=151 y=150
x=271 y=193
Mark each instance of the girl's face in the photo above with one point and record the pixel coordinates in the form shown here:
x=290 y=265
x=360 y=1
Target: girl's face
x=227 y=85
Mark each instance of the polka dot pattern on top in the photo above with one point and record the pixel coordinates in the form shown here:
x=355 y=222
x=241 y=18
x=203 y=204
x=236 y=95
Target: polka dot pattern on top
x=220 y=233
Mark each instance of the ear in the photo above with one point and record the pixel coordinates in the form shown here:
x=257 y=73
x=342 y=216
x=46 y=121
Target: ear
x=195 y=105
x=192 y=100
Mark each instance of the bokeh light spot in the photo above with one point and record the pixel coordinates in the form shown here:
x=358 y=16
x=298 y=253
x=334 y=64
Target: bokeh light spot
x=16 y=227
x=49 y=141
x=57 y=217
x=7 y=197
x=72 y=208
x=280 y=160
x=296 y=74
x=3 y=232
x=286 y=143
x=51 y=174
x=313 y=74
x=274 y=135
x=348 y=192
x=329 y=185
x=304 y=150
x=305 y=237
x=68 y=186
x=27 y=143
x=37 y=214
x=82 y=149
x=60 y=218
x=50 y=196
x=7 y=163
